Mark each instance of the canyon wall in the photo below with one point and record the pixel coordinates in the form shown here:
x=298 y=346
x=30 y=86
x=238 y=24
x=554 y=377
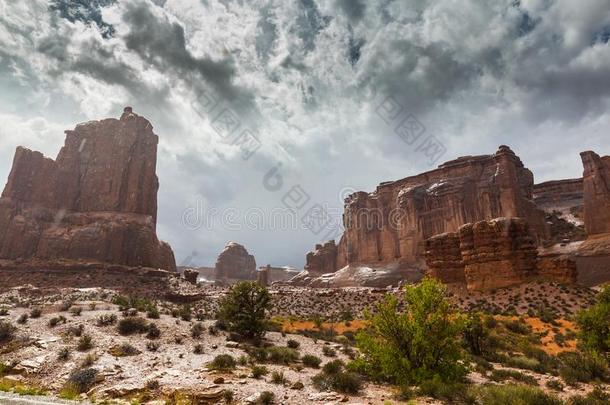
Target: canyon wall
x=391 y=224
x=97 y=202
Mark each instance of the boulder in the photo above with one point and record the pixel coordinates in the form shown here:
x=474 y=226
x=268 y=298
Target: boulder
x=96 y=202
x=235 y=263
x=191 y=275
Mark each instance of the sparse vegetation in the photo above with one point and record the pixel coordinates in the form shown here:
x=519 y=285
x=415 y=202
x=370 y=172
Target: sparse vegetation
x=334 y=377
x=312 y=361
x=7 y=331
x=411 y=346
x=243 y=309
x=197 y=330
x=35 y=313
x=222 y=362
x=85 y=342
x=132 y=325
x=106 y=320
x=259 y=371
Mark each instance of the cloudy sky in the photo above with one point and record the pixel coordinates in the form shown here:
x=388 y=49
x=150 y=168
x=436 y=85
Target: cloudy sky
x=270 y=111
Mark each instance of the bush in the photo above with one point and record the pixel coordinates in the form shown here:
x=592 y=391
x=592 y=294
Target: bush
x=223 y=362
x=152 y=346
x=518 y=326
x=53 y=322
x=583 y=367
x=76 y=311
x=555 y=385
x=475 y=334
x=124 y=350
x=4 y=311
x=63 y=354
x=515 y=394
x=153 y=332
x=266 y=398
x=243 y=309
x=35 y=313
x=153 y=312
x=282 y=355
x=409 y=347
x=328 y=351
x=85 y=343
x=259 y=371
x=447 y=392
x=228 y=396
x=106 y=320
x=7 y=331
x=334 y=377
x=277 y=377
x=293 y=344
x=186 y=313
x=310 y=360
x=198 y=349
x=127 y=302
x=129 y=326
x=502 y=375
x=82 y=380
x=594 y=324
x=23 y=318
x=197 y=330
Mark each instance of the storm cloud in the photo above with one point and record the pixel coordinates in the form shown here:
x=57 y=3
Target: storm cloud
x=312 y=80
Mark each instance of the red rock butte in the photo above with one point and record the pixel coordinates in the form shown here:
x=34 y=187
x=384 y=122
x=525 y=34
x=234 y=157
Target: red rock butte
x=476 y=220
x=95 y=204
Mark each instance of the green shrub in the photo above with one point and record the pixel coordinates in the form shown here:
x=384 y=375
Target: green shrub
x=223 y=362
x=152 y=346
x=198 y=349
x=277 y=377
x=475 y=334
x=411 y=346
x=227 y=396
x=293 y=344
x=197 y=330
x=259 y=371
x=132 y=325
x=282 y=355
x=153 y=331
x=515 y=394
x=243 y=309
x=447 y=392
x=106 y=320
x=124 y=350
x=334 y=377
x=76 y=311
x=35 y=313
x=127 y=302
x=523 y=363
x=83 y=379
x=329 y=351
x=555 y=385
x=502 y=375
x=23 y=318
x=266 y=398
x=583 y=367
x=594 y=324
x=186 y=313
x=310 y=360
x=153 y=312
x=7 y=331
x=63 y=354
x=85 y=342
x=518 y=326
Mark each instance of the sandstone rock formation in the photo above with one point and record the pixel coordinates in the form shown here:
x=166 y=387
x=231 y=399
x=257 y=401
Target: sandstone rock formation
x=596 y=185
x=191 y=275
x=323 y=259
x=390 y=225
x=235 y=263
x=493 y=254
x=97 y=202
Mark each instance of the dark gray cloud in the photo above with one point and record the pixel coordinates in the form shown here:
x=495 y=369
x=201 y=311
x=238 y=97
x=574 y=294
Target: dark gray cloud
x=353 y=9
x=162 y=43
x=87 y=11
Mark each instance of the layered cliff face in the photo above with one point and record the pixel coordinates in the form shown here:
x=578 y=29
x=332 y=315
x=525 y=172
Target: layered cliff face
x=493 y=254
x=96 y=202
x=596 y=186
x=235 y=263
x=391 y=224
